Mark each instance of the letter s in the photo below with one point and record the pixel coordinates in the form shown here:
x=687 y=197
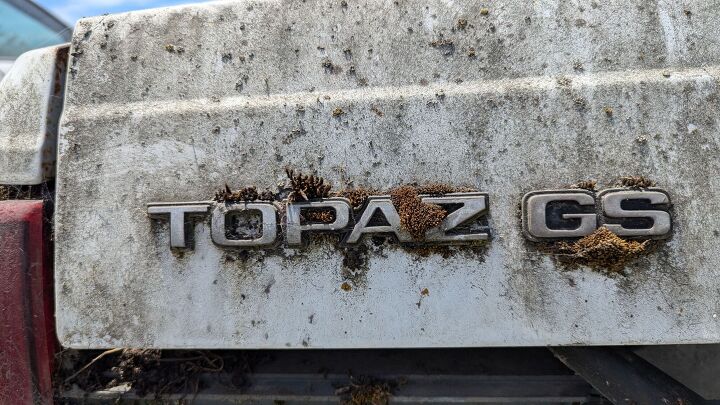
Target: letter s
x=612 y=200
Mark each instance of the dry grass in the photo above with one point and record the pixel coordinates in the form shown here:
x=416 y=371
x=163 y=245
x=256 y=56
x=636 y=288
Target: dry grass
x=325 y=216
x=366 y=391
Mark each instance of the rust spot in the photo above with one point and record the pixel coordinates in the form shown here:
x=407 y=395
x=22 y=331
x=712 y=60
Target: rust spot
x=462 y=23
x=425 y=292
x=345 y=286
x=338 y=112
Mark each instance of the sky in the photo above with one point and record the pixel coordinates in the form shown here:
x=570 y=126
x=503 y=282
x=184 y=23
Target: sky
x=71 y=10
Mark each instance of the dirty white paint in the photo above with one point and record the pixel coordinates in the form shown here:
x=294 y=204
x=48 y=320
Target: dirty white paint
x=517 y=103
x=29 y=112
x=5 y=65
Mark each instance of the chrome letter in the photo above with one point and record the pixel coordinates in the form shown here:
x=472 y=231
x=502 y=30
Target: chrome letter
x=176 y=212
x=269 y=224
x=385 y=205
x=295 y=228
x=534 y=207
x=474 y=205
x=612 y=207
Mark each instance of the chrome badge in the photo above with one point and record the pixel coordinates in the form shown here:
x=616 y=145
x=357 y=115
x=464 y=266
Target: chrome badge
x=258 y=224
x=574 y=213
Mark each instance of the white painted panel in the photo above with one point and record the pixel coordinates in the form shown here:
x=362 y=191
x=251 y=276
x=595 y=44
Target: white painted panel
x=170 y=105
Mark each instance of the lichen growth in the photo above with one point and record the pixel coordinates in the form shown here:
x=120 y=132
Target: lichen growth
x=357 y=196
x=446 y=46
x=437 y=189
x=323 y=215
x=267 y=195
x=174 y=48
x=416 y=217
x=564 y=81
x=246 y=194
x=306 y=187
x=590 y=185
x=636 y=182
x=601 y=249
